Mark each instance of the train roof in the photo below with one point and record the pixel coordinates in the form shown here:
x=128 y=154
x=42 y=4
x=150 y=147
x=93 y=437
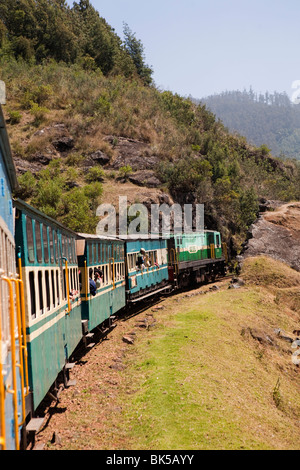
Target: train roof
x=22 y=205
x=159 y=236
x=91 y=236
x=6 y=152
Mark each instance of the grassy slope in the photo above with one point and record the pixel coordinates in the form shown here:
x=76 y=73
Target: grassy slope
x=198 y=380
x=204 y=386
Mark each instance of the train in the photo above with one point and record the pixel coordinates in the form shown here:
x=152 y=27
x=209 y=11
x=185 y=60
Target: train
x=57 y=286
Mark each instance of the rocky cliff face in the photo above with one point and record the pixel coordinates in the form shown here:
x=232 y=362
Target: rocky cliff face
x=276 y=233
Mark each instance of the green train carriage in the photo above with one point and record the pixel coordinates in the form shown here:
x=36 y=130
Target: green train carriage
x=46 y=251
x=104 y=254
x=196 y=257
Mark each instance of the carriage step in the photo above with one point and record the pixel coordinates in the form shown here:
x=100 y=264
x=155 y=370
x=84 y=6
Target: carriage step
x=71 y=383
x=89 y=335
x=70 y=365
x=34 y=424
x=90 y=345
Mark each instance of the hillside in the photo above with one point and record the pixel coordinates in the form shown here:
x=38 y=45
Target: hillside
x=82 y=133
x=270 y=119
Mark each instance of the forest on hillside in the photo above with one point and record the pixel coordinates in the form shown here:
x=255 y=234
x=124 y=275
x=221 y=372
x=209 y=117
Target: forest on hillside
x=37 y=31
x=66 y=68
x=269 y=119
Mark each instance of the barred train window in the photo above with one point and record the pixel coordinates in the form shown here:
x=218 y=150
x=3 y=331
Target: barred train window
x=40 y=283
x=53 y=287
x=32 y=294
x=47 y=289
x=57 y=288
x=30 y=245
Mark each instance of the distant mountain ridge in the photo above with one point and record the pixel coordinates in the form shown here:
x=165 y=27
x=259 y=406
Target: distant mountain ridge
x=269 y=119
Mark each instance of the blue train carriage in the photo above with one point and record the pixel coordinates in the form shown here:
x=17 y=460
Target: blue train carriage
x=46 y=253
x=102 y=277
x=196 y=257
x=13 y=375
x=147 y=268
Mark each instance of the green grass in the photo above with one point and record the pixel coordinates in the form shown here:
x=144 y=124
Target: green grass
x=204 y=377
x=202 y=385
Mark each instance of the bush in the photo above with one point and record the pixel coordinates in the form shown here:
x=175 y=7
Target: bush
x=39 y=113
x=95 y=174
x=14 y=117
x=27 y=183
x=125 y=171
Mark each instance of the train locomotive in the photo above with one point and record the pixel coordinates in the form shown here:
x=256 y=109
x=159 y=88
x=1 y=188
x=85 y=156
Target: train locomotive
x=57 y=286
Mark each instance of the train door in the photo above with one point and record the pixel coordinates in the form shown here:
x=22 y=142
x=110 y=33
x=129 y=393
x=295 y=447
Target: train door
x=172 y=260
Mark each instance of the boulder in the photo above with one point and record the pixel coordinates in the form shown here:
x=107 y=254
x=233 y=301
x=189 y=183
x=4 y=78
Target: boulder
x=63 y=144
x=145 y=178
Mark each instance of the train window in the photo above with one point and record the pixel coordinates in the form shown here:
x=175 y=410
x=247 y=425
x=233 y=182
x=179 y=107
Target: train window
x=32 y=294
x=57 y=288
x=68 y=249
x=99 y=253
x=76 y=279
x=132 y=259
x=71 y=259
x=53 y=287
x=51 y=245
x=95 y=252
x=64 y=284
x=74 y=250
x=38 y=240
x=47 y=290
x=65 y=249
x=217 y=239
x=30 y=244
x=40 y=286
x=62 y=245
x=45 y=242
x=73 y=278
x=80 y=280
x=210 y=238
x=90 y=254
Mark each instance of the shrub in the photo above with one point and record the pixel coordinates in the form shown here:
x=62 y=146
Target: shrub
x=125 y=171
x=39 y=113
x=27 y=183
x=95 y=174
x=14 y=117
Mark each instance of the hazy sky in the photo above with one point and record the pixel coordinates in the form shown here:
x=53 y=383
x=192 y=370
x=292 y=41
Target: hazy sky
x=202 y=47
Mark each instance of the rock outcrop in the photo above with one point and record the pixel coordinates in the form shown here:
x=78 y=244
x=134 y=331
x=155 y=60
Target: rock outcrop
x=276 y=234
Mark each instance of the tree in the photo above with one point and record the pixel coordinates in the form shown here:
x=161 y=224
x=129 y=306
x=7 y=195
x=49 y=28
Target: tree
x=135 y=49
